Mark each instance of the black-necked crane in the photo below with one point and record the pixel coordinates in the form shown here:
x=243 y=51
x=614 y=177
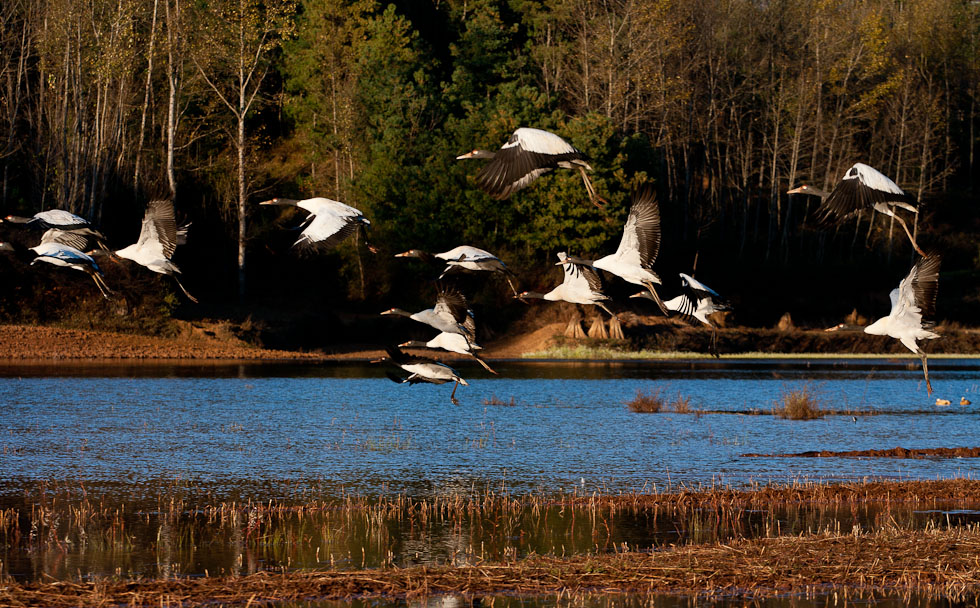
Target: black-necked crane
x=913 y=312
x=157 y=241
x=329 y=222
x=464 y=257
x=451 y=314
x=80 y=231
x=864 y=188
x=697 y=301
x=638 y=249
x=580 y=285
x=421 y=369
x=528 y=154
x=450 y=304
x=66 y=256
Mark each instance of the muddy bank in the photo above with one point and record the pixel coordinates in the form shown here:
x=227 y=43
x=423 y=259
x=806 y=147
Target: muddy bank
x=219 y=340
x=23 y=342
x=898 y=452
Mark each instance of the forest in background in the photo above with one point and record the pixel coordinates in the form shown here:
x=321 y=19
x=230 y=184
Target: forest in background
x=723 y=105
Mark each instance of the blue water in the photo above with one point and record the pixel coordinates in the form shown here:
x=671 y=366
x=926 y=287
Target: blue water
x=347 y=429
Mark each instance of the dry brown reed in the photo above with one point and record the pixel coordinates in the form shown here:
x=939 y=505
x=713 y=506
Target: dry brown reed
x=935 y=562
x=656 y=402
x=646 y=403
x=802 y=403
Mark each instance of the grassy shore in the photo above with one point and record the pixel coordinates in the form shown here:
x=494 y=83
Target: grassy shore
x=584 y=352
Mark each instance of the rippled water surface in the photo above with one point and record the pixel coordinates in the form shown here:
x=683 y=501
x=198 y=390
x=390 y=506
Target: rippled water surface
x=348 y=428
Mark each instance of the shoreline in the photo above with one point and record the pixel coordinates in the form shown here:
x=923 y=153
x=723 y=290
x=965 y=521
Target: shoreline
x=25 y=344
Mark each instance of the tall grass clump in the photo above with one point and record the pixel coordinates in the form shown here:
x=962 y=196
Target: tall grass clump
x=647 y=403
x=803 y=403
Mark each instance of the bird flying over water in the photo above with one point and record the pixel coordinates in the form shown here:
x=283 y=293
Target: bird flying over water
x=696 y=301
x=580 y=285
x=451 y=314
x=913 y=312
x=421 y=369
x=528 y=154
x=638 y=249
x=464 y=257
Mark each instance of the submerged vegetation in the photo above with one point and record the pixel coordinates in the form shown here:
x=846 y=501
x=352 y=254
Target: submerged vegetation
x=758 y=541
x=654 y=402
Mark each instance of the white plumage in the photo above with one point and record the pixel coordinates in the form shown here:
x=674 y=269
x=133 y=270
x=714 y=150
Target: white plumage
x=580 y=285
x=67 y=256
x=913 y=309
x=157 y=242
x=421 y=369
x=528 y=154
x=329 y=222
x=638 y=249
x=863 y=188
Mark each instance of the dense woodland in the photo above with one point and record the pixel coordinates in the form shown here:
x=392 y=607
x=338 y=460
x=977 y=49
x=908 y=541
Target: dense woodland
x=723 y=105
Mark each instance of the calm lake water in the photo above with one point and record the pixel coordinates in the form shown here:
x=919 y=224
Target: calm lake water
x=347 y=429
x=131 y=437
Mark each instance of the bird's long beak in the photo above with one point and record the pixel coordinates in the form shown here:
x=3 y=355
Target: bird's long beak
x=270 y=202
x=404 y=344
x=388 y=312
x=796 y=190
x=381 y=360
x=403 y=254
x=465 y=156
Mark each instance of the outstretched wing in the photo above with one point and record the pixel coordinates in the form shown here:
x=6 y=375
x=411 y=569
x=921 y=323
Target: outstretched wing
x=915 y=303
x=65 y=237
x=159 y=230
x=527 y=155
x=642 y=230
x=860 y=189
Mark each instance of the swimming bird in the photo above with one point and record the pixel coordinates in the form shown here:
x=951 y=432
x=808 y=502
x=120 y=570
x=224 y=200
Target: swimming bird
x=83 y=235
x=528 y=154
x=964 y=401
x=66 y=256
x=421 y=369
x=157 y=242
x=638 y=249
x=464 y=257
x=451 y=314
x=580 y=285
x=329 y=222
x=865 y=188
x=696 y=301
x=913 y=309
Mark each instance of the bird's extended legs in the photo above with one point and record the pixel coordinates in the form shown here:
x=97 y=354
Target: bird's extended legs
x=656 y=298
x=483 y=363
x=925 y=370
x=101 y=284
x=452 y=397
x=713 y=345
x=603 y=307
x=911 y=238
x=597 y=200
x=512 y=288
x=186 y=293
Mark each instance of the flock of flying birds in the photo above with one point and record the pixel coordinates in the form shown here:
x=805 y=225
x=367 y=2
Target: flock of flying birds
x=527 y=155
